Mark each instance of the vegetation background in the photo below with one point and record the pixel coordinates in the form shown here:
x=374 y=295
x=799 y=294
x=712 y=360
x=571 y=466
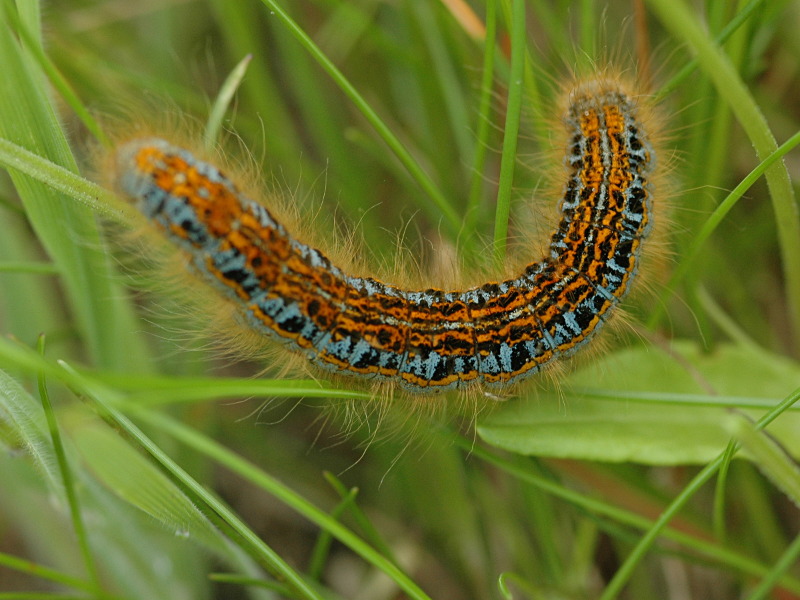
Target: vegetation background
x=154 y=468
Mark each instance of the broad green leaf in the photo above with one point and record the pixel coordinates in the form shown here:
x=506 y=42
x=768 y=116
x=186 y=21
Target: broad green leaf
x=768 y=455
x=22 y=423
x=137 y=481
x=648 y=406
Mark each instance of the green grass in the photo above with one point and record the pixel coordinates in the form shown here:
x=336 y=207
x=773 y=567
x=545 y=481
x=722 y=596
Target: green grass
x=137 y=464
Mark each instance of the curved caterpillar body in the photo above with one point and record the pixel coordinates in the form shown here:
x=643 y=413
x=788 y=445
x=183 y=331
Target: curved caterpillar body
x=426 y=340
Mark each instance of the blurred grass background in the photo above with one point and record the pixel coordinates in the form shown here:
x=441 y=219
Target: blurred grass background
x=443 y=513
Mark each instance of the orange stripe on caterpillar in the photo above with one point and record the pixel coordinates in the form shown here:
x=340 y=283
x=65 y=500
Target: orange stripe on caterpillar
x=425 y=340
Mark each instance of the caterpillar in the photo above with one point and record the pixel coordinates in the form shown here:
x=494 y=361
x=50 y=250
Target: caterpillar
x=428 y=340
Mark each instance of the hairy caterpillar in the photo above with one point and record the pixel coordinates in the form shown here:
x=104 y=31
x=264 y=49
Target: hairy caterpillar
x=425 y=340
